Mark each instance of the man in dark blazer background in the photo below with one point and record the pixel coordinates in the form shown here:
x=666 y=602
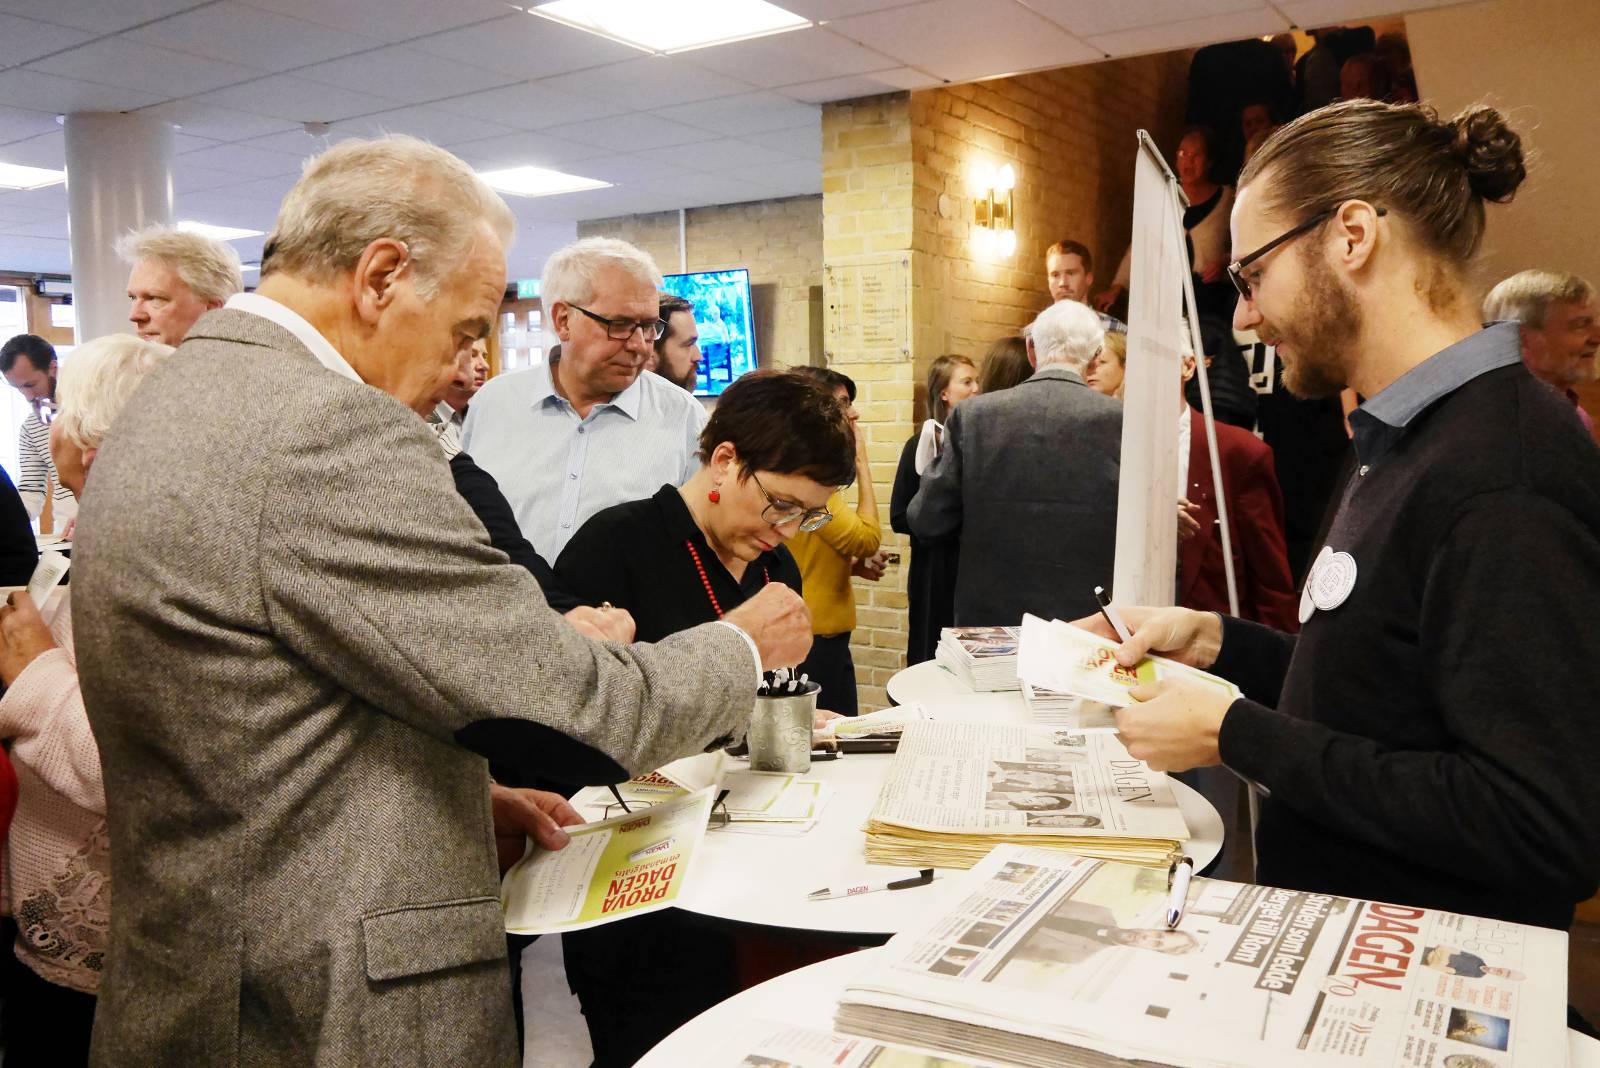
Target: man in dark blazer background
x=1028 y=479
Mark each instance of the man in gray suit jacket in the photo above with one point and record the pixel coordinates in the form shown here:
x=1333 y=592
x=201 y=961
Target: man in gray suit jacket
x=274 y=573
x=1028 y=478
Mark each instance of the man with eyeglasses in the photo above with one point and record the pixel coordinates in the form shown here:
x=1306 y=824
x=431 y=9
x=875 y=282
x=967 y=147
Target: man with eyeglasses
x=589 y=429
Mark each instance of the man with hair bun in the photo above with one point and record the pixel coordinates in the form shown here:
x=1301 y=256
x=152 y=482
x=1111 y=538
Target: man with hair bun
x=1430 y=737
x=177 y=277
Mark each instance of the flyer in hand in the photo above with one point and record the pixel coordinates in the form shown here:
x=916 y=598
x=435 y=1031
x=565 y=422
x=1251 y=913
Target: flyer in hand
x=1057 y=960
x=624 y=866
x=956 y=790
x=1058 y=656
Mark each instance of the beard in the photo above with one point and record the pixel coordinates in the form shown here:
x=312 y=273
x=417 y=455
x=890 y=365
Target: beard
x=1325 y=328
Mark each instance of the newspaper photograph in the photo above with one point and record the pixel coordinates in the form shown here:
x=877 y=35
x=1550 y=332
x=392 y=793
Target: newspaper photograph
x=1065 y=659
x=624 y=866
x=1056 y=959
x=957 y=789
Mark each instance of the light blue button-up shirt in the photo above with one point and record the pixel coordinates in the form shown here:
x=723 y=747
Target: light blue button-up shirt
x=558 y=470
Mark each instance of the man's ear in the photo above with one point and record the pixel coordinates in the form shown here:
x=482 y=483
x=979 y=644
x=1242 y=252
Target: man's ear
x=376 y=275
x=561 y=320
x=1355 y=227
x=1088 y=281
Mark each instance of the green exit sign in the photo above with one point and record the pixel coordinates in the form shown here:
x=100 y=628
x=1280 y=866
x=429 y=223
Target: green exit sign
x=527 y=288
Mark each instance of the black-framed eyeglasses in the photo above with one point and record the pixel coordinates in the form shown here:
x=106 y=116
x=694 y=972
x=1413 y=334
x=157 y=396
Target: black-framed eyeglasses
x=781 y=513
x=622 y=329
x=1236 y=268
x=718 y=817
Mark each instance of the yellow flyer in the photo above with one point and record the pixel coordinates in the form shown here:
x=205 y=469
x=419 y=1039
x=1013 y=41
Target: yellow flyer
x=624 y=866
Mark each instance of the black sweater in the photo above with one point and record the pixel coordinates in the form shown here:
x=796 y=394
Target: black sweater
x=1434 y=739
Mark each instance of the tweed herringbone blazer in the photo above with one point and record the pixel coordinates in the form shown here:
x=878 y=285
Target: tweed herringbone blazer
x=1028 y=479
x=296 y=647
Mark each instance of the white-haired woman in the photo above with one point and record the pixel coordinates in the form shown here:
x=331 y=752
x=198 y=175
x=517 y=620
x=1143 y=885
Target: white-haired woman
x=58 y=861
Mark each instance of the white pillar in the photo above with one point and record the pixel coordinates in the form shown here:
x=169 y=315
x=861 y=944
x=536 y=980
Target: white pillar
x=119 y=178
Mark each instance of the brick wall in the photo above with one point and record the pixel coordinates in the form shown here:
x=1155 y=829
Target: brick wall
x=780 y=241
x=897 y=177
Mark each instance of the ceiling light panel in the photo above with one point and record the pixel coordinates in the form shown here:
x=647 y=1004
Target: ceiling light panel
x=538 y=182
x=652 y=26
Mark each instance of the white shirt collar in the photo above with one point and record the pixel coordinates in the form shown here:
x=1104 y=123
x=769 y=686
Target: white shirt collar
x=304 y=332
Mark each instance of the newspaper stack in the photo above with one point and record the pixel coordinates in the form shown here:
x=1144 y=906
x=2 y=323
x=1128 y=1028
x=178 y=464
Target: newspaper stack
x=1056 y=709
x=956 y=790
x=985 y=658
x=1055 y=960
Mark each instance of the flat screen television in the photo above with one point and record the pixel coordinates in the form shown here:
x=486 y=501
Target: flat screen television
x=721 y=302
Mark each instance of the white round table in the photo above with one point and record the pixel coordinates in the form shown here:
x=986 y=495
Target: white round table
x=945 y=696
x=807 y=997
x=764 y=880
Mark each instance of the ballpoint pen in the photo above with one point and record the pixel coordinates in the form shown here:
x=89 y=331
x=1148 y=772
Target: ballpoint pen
x=1111 y=615
x=1178 y=877
x=922 y=878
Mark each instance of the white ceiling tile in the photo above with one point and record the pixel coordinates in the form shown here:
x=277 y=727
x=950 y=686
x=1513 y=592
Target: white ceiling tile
x=36 y=255
x=788 y=177
x=749 y=113
x=524 y=46
x=245 y=160
x=97 y=16
x=23 y=88
x=802 y=142
x=1089 y=18
x=723 y=156
x=46 y=202
x=656 y=81
x=784 y=58
x=253 y=205
x=538 y=149
x=54 y=229
x=849 y=88
x=188 y=142
x=392 y=20
x=530 y=107
x=241 y=34
x=284 y=96
x=17 y=123
x=402 y=74
x=218 y=123
x=41 y=150
x=1191 y=33
x=963 y=41
x=191 y=178
x=635 y=131
x=24 y=39
x=909 y=78
x=717 y=189
x=634 y=167
x=833 y=9
x=430 y=124
x=1315 y=13
x=120 y=61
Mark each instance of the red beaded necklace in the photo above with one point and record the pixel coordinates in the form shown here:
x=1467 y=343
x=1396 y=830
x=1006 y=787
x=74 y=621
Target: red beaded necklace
x=705 y=580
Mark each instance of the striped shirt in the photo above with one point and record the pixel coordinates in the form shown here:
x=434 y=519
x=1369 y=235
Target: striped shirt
x=35 y=468
x=558 y=470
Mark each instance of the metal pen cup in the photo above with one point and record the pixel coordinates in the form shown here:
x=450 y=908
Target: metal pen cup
x=780 y=731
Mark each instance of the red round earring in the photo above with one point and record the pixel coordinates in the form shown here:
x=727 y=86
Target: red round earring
x=714 y=496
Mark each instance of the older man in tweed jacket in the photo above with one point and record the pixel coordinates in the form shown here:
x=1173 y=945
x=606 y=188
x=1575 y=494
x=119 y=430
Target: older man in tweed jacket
x=270 y=634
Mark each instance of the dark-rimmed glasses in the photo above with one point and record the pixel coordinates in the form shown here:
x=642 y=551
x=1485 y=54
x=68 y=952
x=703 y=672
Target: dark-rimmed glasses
x=622 y=329
x=1236 y=268
x=781 y=513
x=718 y=817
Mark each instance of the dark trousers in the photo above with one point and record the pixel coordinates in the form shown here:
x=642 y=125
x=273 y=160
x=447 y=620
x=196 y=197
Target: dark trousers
x=831 y=667
x=46 y=1026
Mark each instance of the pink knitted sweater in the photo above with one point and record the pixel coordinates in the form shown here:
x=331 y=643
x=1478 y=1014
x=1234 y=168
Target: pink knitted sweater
x=58 y=860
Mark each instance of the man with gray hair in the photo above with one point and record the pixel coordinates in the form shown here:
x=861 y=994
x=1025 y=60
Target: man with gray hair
x=1028 y=480
x=300 y=644
x=588 y=429
x=1560 y=328
x=177 y=277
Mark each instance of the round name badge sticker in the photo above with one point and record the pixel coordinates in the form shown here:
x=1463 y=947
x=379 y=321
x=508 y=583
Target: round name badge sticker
x=1332 y=580
x=1307 y=606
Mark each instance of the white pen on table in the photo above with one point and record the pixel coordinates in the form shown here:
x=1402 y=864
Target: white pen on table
x=1112 y=616
x=922 y=878
x=1178 y=877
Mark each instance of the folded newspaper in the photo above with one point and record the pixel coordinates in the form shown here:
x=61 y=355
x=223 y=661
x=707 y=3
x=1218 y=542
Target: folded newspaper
x=985 y=658
x=630 y=864
x=764 y=1044
x=1065 y=659
x=956 y=790
x=1055 y=960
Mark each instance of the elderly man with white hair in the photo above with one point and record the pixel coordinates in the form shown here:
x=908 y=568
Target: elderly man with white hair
x=1028 y=480
x=57 y=869
x=304 y=645
x=1560 y=328
x=177 y=277
x=588 y=430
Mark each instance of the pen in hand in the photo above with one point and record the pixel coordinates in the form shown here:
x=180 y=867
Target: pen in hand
x=1112 y=617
